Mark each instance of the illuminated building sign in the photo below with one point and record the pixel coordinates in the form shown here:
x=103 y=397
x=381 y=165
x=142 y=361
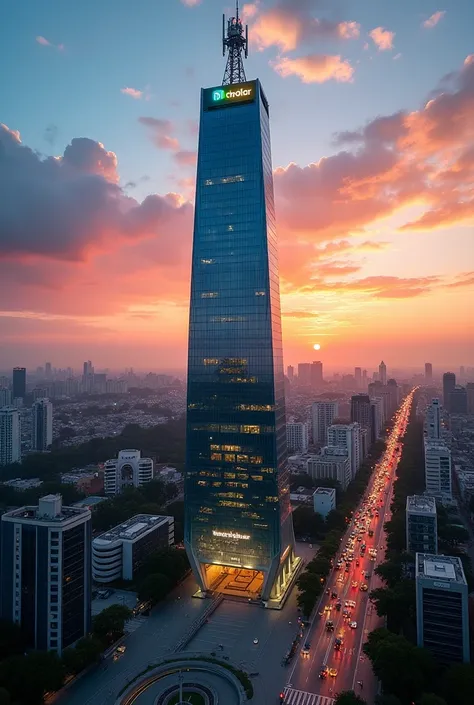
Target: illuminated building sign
x=230 y=535
x=225 y=96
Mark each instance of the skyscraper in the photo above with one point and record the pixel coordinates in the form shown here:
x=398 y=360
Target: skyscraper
x=438 y=481
x=442 y=617
x=323 y=414
x=297 y=437
x=421 y=524
x=347 y=436
x=362 y=411
x=304 y=373
x=433 y=420
x=316 y=378
x=428 y=372
x=42 y=425
x=10 y=438
x=449 y=385
x=237 y=509
x=47 y=370
x=358 y=377
x=290 y=372
x=19 y=382
x=45 y=572
x=383 y=372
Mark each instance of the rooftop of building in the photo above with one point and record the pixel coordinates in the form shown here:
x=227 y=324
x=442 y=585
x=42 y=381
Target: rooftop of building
x=325 y=491
x=422 y=504
x=435 y=444
x=132 y=529
x=90 y=501
x=48 y=510
x=439 y=567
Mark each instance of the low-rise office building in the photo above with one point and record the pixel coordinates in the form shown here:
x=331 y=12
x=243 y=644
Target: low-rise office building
x=121 y=551
x=128 y=470
x=442 y=617
x=421 y=524
x=324 y=500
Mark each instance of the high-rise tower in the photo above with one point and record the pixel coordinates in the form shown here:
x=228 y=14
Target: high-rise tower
x=236 y=44
x=238 y=524
x=383 y=372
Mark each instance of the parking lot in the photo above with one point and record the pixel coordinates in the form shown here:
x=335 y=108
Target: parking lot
x=118 y=597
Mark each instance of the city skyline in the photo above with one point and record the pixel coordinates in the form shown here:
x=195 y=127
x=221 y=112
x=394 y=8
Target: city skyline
x=364 y=264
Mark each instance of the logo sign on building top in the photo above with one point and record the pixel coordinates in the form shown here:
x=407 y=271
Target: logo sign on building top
x=225 y=96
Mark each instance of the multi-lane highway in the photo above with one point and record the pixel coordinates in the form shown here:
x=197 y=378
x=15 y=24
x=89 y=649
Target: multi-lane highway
x=333 y=660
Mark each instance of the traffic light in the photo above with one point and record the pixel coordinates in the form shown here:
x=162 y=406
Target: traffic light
x=282 y=698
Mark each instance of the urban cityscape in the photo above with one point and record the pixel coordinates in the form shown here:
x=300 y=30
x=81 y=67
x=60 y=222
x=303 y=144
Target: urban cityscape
x=237 y=419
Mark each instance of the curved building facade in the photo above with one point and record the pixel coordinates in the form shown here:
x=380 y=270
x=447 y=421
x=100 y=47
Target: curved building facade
x=237 y=502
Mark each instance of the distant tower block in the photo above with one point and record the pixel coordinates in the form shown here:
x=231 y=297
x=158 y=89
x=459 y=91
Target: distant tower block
x=236 y=44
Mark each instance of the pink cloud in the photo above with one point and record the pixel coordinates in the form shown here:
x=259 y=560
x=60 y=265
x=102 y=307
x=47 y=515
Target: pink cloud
x=315 y=68
x=161 y=132
x=190 y=3
x=382 y=38
x=132 y=92
x=186 y=157
x=434 y=19
x=46 y=43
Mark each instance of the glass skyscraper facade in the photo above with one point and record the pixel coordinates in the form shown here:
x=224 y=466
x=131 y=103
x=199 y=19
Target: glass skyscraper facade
x=237 y=500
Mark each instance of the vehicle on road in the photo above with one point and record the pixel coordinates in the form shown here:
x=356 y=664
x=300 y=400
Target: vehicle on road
x=333 y=672
x=355 y=584
x=334 y=595
x=324 y=672
x=338 y=643
x=353 y=625
x=364 y=587
x=255 y=641
x=306 y=649
x=329 y=625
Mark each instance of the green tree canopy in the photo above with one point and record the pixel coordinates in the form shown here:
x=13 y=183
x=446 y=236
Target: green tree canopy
x=86 y=652
x=154 y=587
x=457 y=684
x=109 y=624
x=348 y=697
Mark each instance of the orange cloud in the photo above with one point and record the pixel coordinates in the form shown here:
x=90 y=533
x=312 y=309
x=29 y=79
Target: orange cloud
x=434 y=19
x=382 y=38
x=132 y=92
x=315 y=68
x=186 y=157
x=292 y=22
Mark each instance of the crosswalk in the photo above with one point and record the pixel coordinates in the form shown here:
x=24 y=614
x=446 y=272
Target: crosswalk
x=301 y=697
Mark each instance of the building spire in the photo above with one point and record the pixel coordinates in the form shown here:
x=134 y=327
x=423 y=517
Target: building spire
x=237 y=47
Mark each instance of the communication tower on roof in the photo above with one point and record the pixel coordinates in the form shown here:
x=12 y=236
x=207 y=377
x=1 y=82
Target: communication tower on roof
x=236 y=44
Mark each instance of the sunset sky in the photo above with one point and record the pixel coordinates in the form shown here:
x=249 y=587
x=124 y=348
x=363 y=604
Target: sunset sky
x=372 y=116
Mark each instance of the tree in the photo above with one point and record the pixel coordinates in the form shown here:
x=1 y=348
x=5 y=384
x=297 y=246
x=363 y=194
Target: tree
x=348 y=697
x=308 y=523
x=397 y=603
x=28 y=678
x=154 y=588
x=109 y=624
x=4 y=697
x=403 y=669
x=457 y=685
x=86 y=652
x=387 y=699
x=454 y=534
x=11 y=639
x=431 y=699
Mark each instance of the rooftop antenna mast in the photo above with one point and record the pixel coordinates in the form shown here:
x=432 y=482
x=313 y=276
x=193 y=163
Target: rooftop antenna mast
x=236 y=44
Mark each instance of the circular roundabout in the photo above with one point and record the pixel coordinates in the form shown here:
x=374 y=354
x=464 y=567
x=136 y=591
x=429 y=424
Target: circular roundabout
x=188 y=680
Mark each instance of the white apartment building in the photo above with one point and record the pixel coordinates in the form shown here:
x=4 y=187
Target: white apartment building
x=297 y=437
x=379 y=415
x=347 y=436
x=42 y=425
x=10 y=438
x=433 y=420
x=128 y=470
x=437 y=469
x=331 y=463
x=5 y=397
x=323 y=414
